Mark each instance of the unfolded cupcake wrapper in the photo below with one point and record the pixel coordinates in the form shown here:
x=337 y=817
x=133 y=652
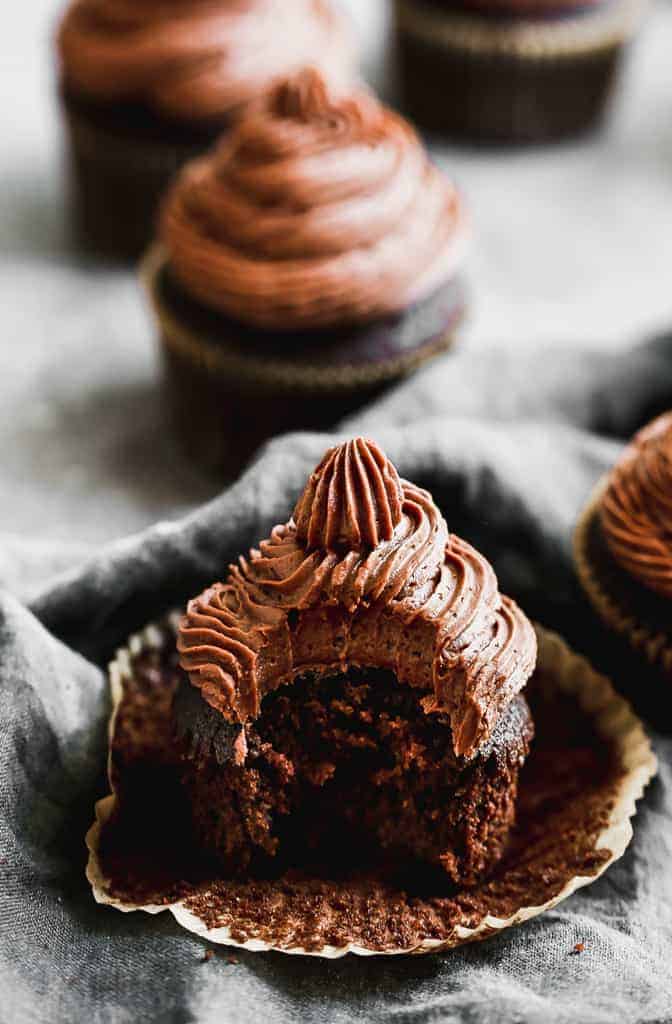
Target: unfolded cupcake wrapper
x=262 y=371
x=562 y=675
x=516 y=79
x=653 y=644
x=117 y=183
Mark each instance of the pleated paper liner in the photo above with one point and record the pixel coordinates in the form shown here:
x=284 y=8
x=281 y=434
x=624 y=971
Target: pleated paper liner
x=515 y=79
x=118 y=178
x=529 y=38
x=231 y=387
x=589 y=765
x=641 y=618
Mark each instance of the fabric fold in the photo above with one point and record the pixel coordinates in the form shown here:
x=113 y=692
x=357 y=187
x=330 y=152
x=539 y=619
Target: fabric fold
x=512 y=446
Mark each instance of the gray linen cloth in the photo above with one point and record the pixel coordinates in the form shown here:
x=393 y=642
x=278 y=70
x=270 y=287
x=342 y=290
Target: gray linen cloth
x=510 y=447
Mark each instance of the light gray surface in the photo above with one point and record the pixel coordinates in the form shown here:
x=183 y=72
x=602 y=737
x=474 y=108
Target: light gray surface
x=572 y=246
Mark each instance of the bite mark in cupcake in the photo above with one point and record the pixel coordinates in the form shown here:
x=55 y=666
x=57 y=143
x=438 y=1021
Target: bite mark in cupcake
x=421 y=603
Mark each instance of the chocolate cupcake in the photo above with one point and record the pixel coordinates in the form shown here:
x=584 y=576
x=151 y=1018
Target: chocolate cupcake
x=623 y=545
x=504 y=71
x=305 y=264
x=363 y=668
x=335 y=755
x=148 y=86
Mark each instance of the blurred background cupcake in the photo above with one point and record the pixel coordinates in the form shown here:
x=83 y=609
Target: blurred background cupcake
x=623 y=546
x=148 y=84
x=511 y=70
x=305 y=264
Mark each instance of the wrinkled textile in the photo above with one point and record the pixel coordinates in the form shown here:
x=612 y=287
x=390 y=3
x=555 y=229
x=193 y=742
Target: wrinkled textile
x=510 y=447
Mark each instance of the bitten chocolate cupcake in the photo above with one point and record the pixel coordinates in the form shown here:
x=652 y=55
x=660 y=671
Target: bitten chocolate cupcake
x=331 y=752
x=147 y=86
x=355 y=682
x=623 y=545
x=504 y=71
x=308 y=262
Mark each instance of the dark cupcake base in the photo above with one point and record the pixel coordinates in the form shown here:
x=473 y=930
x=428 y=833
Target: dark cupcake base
x=231 y=388
x=121 y=160
x=493 y=99
x=637 y=646
x=636 y=600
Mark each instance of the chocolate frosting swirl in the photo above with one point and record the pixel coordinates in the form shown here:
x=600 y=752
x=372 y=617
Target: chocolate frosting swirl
x=418 y=601
x=320 y=209
x=196 y=59
x=636 y=509
x=351 y=501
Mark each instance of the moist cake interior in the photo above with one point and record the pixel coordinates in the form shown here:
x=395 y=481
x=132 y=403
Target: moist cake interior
x=346 y=770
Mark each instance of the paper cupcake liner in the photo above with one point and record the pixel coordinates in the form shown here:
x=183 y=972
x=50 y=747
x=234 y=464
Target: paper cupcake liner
x=602 y=28
x=286 y=374
x=515 y=79
x=228 y=396
x=619 y=615
x=117 y=183
x=562 y=675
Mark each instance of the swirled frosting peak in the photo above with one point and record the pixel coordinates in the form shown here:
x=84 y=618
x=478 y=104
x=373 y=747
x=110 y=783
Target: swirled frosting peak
x=322 y=208
x=636 y=509
x=352 y=501
x=197 y=59
x=390 y=589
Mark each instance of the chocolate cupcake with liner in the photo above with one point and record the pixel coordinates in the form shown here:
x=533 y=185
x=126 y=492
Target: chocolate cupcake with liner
x=512 y=71
x=333 y=757
x=306 y=264
x=623 y=546
x=147 y=86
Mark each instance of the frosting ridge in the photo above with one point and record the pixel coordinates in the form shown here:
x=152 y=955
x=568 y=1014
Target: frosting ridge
x=420 y=602
x=636 y=508
x=196 y=59
x=352 y=500
x=319 y=209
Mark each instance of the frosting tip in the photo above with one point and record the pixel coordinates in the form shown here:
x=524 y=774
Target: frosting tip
x=352 y=501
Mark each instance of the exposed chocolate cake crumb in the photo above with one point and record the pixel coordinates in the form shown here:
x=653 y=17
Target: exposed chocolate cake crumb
x=341 y=768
